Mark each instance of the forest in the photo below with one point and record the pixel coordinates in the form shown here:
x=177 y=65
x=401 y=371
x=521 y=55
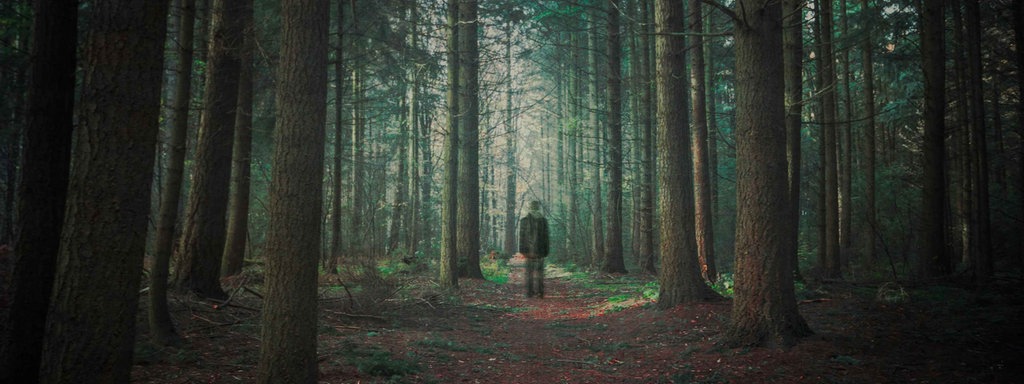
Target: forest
x=312 y=191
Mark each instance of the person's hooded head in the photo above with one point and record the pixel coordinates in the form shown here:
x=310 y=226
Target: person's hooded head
x=535 y=208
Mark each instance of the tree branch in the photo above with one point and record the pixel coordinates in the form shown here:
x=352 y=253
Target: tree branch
x=720 y=7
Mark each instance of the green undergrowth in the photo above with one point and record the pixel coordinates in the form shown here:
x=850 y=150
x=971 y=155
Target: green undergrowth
x=379 y=363
x=496 y=270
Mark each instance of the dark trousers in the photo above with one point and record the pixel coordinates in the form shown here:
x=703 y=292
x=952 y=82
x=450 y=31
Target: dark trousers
x=535 y=277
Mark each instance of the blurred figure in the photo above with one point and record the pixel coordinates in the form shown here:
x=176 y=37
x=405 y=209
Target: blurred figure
x=533 y=244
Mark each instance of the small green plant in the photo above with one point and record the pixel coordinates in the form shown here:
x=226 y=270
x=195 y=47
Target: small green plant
x=496 y=270
x=448 y=345
x=382 y=364
x=611 y=347
x=619 y=298
x=724 y=285
x=650 y=290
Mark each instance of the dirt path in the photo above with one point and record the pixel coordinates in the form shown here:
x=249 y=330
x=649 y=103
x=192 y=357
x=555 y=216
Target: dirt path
x=603 y=331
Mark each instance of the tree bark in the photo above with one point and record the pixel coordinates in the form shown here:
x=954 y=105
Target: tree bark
x=596 y=211
x=205 y=224
x=613 y=260
x=1018 y=33
x=289 y=317
x=41 y=195
x=702 y=174
x=161 y=327
x=870 y=156
x=934 y=257
x=764 y=311
x=238 y=208
x=468 y=233
x=90 y=326
x=831 y=265
x=449 y=274
x=680 y=270
x=510 y=152
x=337 y=187
x=792 y=57
x=982 y=262
x=646 y=257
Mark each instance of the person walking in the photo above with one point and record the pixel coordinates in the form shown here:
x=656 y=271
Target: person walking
x=533 y=244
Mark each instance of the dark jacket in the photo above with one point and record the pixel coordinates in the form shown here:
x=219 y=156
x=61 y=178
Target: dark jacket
x=533 y=235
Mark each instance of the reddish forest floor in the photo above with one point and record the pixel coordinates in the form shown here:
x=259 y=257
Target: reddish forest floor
x=490 y=333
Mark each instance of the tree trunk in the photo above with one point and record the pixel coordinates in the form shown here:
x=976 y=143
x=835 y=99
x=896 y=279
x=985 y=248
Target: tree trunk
x=400 y=203
x=870 y=157
x=160 y=324
x=573 y=244
x=831 y=264
x=1018 y=33
x=702 y=174
x=934 y=258
x=712 y=115
x=613 y=260
x=845 y=154
x=469 y=159
x=42 y=192
x=981 y=263
x=449 y=191
x=412 y=220
x=510 y=152
x=90 y=327
x=289 y=317
x=596 y=212
x=764 y=311
x=238 y=209
x=680 y=270
x=792 y=57
x=205 y=226
x=339 y=140
x=646 y=256
x=360 y=233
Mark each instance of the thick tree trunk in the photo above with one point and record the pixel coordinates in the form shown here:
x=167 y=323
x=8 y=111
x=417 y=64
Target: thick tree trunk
x=596 y=210
x=160 y=325
x=450 y=190
x=205 y=224
x=43 y=188
x=764 y=311
x=359 y=238
x=646 y=258
x=510 y=152
x=870 y=158
x=934 y=259
x=613 y=260
x=845 y=154
x=468 y=235
x=289 y=316
x=680 y=270
x=238 y=209
x=831 y=265
x=792 y=58
x=400 y=203
x=90 y=327
x=337 y=188
x=712 y=114
x=982 y=262
x=702 y=174
x=1018 y=29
